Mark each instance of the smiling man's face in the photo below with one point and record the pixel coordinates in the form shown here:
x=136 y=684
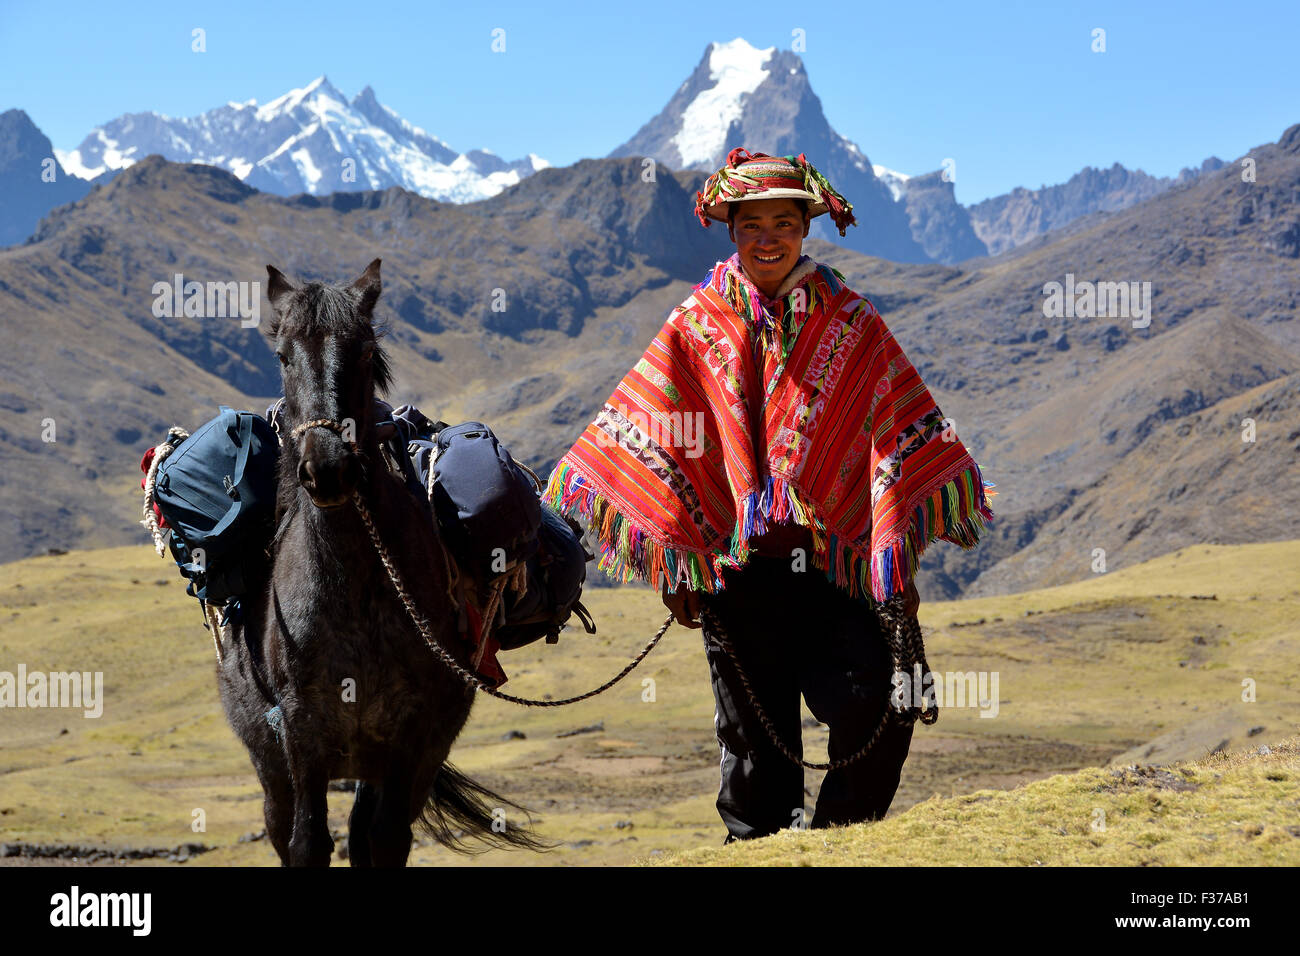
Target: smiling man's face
x=769 y=235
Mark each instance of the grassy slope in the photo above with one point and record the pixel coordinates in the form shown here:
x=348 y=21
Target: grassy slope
x=1110 y=668
x=1226 y=810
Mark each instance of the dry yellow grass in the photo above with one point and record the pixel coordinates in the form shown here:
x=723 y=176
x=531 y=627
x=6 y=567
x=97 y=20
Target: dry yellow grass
x=1240 y=809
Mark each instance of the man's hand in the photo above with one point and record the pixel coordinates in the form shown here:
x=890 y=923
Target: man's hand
x=911 y=600
x=684 y=603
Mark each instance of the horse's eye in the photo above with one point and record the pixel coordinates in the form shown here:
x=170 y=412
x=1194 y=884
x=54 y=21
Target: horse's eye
x=367 y=350
x=284 y=359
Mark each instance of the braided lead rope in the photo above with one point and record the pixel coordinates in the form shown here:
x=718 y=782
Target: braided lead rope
x=907 y=649
x=214 y=621
x=160 y=452
x=422 y=625
x=473 y=680
x=903 y=717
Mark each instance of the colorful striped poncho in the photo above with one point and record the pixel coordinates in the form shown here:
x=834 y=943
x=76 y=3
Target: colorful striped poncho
x=747 y=412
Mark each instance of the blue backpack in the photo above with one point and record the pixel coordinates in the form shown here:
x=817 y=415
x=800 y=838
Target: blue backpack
x=488 y=508
x=217 y=491
x=486 y=504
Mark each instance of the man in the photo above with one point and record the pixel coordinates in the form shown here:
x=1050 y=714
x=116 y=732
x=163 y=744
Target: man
x=824 y=470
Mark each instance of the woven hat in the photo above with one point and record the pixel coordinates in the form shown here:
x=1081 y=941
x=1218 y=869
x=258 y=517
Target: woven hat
x=760 y=176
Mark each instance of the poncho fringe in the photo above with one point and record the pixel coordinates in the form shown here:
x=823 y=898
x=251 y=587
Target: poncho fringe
x=628 y=552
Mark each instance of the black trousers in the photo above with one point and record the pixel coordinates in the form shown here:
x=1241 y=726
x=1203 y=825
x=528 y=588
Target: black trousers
x=794 y=633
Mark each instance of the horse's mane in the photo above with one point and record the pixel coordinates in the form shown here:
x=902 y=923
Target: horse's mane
x=321 y=308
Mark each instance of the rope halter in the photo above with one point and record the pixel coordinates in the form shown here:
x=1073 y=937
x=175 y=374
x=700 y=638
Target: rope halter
x=329 y=423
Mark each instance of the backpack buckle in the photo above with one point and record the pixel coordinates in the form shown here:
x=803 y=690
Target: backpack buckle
x=231 y=490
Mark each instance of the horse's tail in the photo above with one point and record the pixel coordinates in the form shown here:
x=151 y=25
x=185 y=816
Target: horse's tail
x=459 y=807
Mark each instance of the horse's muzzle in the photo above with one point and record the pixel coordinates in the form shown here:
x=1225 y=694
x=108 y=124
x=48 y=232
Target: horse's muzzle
x=329 y=484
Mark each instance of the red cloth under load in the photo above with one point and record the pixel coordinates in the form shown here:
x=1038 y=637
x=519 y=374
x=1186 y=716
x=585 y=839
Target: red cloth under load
x=145 y=463
x=489 y=668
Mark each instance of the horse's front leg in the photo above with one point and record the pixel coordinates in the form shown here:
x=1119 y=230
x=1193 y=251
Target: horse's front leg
x=277 y=807
x=390 y=827
x=311 y=843
x=363 y=811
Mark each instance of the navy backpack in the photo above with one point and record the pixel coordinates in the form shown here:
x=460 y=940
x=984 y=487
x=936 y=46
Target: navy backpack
x=217 y=491
x=490 y=515
x=487 y=505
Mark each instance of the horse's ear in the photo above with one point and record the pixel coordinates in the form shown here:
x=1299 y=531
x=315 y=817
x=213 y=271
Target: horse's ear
x=368 y=287
x=278 y=288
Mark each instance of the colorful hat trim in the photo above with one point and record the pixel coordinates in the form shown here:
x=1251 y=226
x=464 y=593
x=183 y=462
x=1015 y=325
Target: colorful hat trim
x=760 y=176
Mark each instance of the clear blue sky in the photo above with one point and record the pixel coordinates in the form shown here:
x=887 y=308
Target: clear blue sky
x=1011 y=91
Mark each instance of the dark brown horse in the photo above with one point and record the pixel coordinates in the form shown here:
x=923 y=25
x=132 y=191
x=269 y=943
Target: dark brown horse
x=326 y=677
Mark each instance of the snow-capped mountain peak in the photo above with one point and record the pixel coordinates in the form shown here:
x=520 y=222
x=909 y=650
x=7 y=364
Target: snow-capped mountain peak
x=736 y=69
x=311 y=139
x=896 y=181
x=317 y=96
x=763 y=100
